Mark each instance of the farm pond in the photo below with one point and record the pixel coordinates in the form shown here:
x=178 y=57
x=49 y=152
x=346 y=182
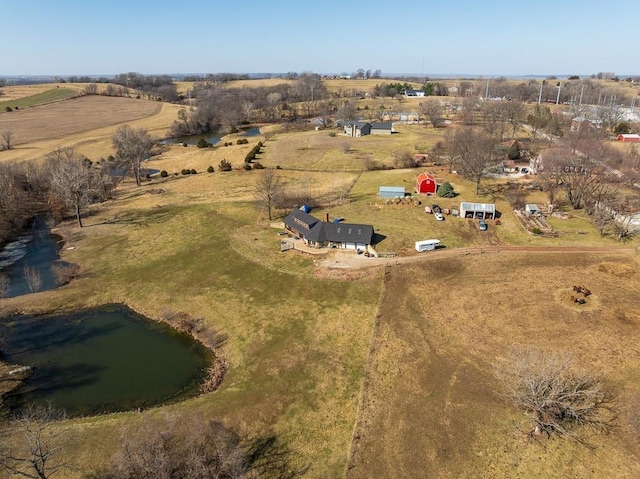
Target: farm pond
x=101 y=360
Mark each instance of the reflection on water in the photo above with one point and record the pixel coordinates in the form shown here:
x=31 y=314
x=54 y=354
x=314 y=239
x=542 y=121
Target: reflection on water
x=37 y=250
x=103 y=359
x=212 y=138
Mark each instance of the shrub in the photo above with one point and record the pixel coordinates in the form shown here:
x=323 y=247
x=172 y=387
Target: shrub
x=536 y=231
x=242 y=141
x=202 y=143
x=258 y=166
x=247 y=166
x=8 y=109
x=184 y=171
x=333 y=134
x=224 y=165
x=445 y=190
x=164 y=174
x=210 y=169
x=185 y=144
x=65 y=272
x=194 y=172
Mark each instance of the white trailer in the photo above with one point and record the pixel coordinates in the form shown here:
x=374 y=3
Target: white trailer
x=427 y=245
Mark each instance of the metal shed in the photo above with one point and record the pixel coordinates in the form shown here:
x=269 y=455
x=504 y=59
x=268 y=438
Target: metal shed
x=391 y=191
x=477 y=210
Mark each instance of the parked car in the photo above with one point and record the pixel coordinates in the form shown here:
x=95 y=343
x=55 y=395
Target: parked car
x=524 y=170
x=438 y=216
x=482 y=224
x=436 y=209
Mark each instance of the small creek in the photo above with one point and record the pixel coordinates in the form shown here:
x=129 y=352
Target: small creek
x=36 y=248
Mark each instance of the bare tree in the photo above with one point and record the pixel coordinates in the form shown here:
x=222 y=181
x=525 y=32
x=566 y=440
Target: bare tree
x=4 y=285
x=494 y=120
x=432 y=111
x=166 y=448
x=268 y=190
x=473 y=151
x=33 y=278
x=92 y=89
x=132 y=148
x=557 y=397
x=7 y=137
x=65 y=272
x=71 y=180
x=37 y=452
x=514 y=114
x=403 y=159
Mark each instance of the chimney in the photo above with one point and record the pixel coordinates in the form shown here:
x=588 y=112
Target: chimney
x=326 y=218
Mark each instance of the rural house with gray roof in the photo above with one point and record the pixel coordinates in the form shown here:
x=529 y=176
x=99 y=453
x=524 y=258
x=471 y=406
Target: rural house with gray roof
x=319 y=233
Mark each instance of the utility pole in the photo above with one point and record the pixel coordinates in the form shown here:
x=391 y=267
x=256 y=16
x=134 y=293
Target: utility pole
x=540 y=94
x=581 y=92
x=559 y=85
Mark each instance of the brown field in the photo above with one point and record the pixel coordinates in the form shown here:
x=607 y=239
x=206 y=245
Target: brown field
x=85 y=123
x=14 y=92
x=431 y=405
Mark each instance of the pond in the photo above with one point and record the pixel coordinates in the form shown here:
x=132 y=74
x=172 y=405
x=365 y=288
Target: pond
x=101 y=360
x=212 y=138
x=35 y=250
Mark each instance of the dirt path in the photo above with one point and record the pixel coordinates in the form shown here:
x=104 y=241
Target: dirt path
x=341 y=263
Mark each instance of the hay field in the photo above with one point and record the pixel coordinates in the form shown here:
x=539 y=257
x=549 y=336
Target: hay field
x=432 y=406
x=16 y=92
x=85 y=123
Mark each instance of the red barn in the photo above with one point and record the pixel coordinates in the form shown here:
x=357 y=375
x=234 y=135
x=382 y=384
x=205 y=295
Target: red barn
x=630 y=138
x=426 y=184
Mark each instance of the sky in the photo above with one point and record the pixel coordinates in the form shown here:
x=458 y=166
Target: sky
x=490 y=38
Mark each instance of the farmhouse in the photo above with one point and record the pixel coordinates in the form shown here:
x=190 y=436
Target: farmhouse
x=580 y=122
x=319 y=233
x=629 y=138
x=382 y=128
x=426 y=184
x=391 y=192
x=477 y=210
x=356 y=129
x=413 y=93
x=509 y=166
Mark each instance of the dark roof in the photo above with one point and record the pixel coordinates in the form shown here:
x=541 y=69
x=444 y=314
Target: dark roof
x=357 y=124
x=300 y=221
x=381 y=126
x=341 y=233
x=319 y=231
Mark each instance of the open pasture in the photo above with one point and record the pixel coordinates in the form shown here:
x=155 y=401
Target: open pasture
x=431 y=404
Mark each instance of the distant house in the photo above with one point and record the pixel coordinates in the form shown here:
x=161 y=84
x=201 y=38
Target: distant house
x=580 y=122
x=629 y=138
x=509 y=166
x=391 y=191
x=426 y=184
x=356 y=129
x=319 y=233
x=477 y=210
x=413 y=93
x=382 y=128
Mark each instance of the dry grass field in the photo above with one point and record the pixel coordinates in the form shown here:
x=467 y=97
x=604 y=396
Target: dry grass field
x=431 y=405
x=85 y=123
x=403 y=359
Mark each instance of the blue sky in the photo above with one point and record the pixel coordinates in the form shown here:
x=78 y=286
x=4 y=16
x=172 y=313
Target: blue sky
x=74 y=37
